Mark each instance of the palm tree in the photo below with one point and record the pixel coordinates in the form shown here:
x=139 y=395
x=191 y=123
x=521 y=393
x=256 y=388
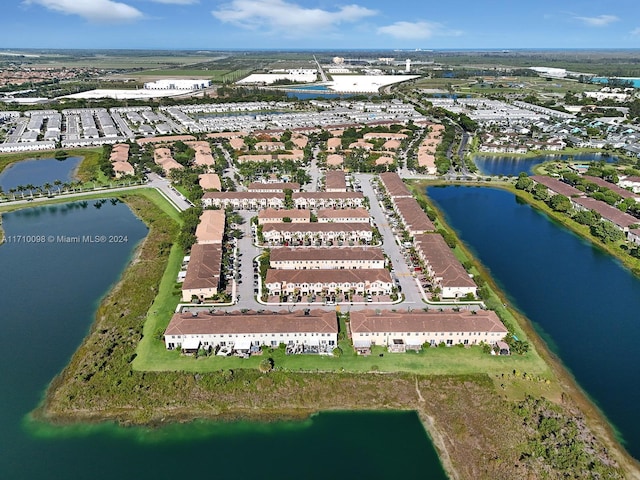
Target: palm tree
x=47 y=187
x=31 y=187
x=57 y=183
x=12 y=191
x=21 y=189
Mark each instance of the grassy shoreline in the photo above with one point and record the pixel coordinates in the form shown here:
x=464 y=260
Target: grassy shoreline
x=566 y=380
x=101 y=384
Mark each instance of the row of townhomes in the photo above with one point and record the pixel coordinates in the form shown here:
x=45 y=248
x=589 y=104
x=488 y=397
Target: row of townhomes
x=202 y=279
x=580 y=201
x=401 y=331
x=317 y=233
x=303 y=331
x=447 y=274
x=329 y=282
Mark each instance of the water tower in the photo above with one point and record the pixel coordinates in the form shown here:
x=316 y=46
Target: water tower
x=407 y=68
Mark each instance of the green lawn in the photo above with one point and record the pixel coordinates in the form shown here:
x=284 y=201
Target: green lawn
x=432 y=361
x=151 y=348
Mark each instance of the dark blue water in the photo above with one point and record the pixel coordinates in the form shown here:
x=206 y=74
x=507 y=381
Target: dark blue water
x=38 y=171
x=510 y=165
x=48 y=295
x=581 y=298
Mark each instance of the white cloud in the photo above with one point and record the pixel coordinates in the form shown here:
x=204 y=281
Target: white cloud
x=599 y=21
x=287 y=18
x=415 y=30
x=177 y=2
x=102 y=11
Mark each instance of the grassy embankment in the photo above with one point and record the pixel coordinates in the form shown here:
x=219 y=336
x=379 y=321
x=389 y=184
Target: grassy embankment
x=477 y=430
x=567 y=385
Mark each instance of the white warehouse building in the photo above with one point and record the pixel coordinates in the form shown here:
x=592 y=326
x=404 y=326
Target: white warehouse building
x=170 y=84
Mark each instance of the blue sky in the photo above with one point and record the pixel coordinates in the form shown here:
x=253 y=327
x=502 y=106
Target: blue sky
x=319 y=24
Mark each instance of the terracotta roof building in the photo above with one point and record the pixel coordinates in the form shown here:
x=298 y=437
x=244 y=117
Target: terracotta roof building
x=240 y=331
x=344 y=215
x=210 y=181
x=287 y=258
x=273 y=187
x=620 y=219
x=399 y=331
x=211 y=227
x=271 y=215
x=612 y=186
x=413 y=217
x=445 y=269
x=335 y=181
x=203 y=272
x=556 y=187
x=394 y=185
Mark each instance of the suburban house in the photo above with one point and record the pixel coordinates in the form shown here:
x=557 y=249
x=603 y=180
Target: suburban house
x=446 y=272
x=210 y=181
x=203 y=156
x=312 y=330
x=630 y=182
x=335 y=160
x=343 y=215
x=271 y=215
x=399 y=331
x=633 y=236
x=162 y=156
x=335 y=181
x=243 y=200
x=281 y=233
x=328 y=282
x=287 y=258
x=333 y=144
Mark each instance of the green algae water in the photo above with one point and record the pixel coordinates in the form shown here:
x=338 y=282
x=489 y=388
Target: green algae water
x=50 y=288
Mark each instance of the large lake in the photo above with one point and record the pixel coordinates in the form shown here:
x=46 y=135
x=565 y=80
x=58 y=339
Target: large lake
x=510 y=165
x=38 y=171
x=581 y=300
x=49 y=295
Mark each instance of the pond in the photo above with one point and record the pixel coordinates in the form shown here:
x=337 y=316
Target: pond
x=511 y=165
x=581 y=300
x=38 y=171
x=50 y=292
